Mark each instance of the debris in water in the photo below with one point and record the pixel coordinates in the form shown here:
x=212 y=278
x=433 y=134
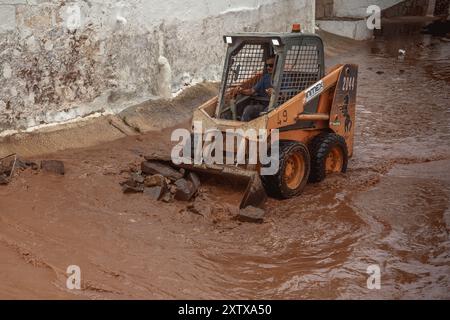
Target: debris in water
x=252 y=214
x=193 y=177
x=4 y=179
x=155 y=167
x=185 y=190
x=156 y=180
x=156 y=192
x=132 y=189
x=53 y=166
x=7 y=170
x=161 y=182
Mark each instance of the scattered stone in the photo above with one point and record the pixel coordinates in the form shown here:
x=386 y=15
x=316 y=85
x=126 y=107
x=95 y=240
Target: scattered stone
x=379 y=72
x=129 y=182
x=134 y=180
x=156 y=180
x=155 y=193
x=155 y=167
x=200 y=208
x=137 y=178
x=185 y=190
x=167 y=198
x=173 y=189
x=53 y=166
x=24 y=164
x=20 y=164
x=193 y=177
x=157 y=156
x=33 y=165
x=132 y=189
x=251 y=214
x=6 y=168
x=4 y=180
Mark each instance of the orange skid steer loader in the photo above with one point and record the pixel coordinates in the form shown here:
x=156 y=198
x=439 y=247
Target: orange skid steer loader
x=313 y=112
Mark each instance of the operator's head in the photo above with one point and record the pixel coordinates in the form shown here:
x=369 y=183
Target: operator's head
x=269 y=64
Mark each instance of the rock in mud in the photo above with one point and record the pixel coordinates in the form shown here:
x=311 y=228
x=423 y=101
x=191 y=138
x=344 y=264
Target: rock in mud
x=193 y=177
x=200 y=208
x=132 y=189
x=137 y=178
x=134 y=180
x=4 y=179
x=6 y=169
x=156 y=192
x=251 y=214
x=156 y=180
x=53 y=166
x=173 y=189
x=185 y=190
x=167 y=198
x=155 y=167
x=24 y=164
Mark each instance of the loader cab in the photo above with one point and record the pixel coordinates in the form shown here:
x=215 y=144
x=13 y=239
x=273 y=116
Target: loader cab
x=299 y=63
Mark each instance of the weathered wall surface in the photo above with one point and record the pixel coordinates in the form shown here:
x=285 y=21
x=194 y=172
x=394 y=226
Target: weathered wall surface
x=358 y=8
x=61 y=59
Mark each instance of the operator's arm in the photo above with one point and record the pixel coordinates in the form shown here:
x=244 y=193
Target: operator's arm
x=252 y=91
x=247 y=92
x=262 y=86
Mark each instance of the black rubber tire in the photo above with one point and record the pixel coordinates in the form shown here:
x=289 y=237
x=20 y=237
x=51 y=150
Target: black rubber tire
x=319 y=148
x=275 y=185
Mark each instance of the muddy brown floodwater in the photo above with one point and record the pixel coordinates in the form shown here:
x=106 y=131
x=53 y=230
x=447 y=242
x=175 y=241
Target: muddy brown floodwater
x=391 y=208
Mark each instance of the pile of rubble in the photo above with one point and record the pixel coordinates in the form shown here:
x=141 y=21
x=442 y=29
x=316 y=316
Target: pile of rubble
x=162 y=182
x=12 y=163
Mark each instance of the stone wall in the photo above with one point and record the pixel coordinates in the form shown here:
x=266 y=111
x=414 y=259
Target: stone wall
x=60 y=60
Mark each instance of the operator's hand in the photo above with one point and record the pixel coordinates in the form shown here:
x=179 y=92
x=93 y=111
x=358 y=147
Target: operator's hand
x=269 y=91
x=237 y=91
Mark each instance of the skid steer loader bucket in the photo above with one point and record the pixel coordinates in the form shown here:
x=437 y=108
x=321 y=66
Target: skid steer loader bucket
x=254 y=195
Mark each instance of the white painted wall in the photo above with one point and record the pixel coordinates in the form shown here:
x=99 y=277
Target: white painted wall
x=356 y=30
x=55 y=68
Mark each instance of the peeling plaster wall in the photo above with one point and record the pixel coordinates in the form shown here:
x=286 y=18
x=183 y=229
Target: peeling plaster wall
x=61 y=59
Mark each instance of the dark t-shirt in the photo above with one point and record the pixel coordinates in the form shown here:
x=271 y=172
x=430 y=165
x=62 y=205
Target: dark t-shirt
x=262 y=85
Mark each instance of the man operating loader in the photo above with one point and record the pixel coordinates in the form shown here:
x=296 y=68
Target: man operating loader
x=263 y=88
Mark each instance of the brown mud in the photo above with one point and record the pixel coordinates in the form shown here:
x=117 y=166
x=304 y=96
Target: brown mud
x=391 y=208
